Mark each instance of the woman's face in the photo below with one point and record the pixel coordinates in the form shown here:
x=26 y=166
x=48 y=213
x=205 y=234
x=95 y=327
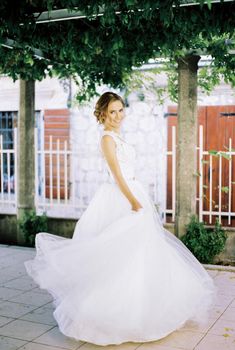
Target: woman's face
x=114 y=114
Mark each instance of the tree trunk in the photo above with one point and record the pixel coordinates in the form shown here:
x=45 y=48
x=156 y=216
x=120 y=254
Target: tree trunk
x=26 y=152
x=186 y=153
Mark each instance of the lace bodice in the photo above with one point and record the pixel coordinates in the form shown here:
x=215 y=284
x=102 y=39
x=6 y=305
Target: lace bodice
x=126 y=156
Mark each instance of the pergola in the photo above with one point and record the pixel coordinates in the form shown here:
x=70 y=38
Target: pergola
x=110 y=39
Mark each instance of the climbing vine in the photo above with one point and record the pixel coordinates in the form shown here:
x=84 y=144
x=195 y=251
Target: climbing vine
x=104 y=48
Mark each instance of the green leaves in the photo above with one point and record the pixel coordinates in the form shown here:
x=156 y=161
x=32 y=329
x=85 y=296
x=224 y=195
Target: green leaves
x=204 y=243
x=225 y=189
x=31 y=224
x=130 y=3
x=209 y=4
x=219 y=153
x=104 y=47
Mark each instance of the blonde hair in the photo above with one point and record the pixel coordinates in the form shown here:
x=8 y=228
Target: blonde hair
x=102 y=104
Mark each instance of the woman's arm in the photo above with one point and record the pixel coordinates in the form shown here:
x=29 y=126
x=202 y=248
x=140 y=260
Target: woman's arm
x=109 y=150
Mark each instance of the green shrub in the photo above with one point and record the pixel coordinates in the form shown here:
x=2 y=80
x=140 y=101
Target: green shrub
x=30 y=224
x=204 y=243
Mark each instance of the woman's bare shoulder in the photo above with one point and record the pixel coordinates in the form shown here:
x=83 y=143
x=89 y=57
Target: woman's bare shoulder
x=107 y=139
x=108 y=145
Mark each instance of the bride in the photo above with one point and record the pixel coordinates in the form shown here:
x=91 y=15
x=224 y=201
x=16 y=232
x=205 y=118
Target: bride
x=122 y=276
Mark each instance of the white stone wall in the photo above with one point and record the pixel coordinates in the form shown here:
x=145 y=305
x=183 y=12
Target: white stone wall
x=144 y=126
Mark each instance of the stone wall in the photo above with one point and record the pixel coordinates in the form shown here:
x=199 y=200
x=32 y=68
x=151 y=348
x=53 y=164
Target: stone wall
x=144 y=126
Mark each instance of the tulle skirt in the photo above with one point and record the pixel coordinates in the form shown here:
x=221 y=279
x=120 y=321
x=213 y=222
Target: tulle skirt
x=122 y=276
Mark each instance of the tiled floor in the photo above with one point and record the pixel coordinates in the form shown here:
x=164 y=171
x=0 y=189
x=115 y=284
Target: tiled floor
x=27 y=323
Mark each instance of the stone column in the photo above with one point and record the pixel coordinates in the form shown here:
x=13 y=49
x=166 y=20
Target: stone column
x=26 y=151
x=186 y=152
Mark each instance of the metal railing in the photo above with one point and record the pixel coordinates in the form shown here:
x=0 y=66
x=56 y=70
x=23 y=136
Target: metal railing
x=66 y=180
x=8 y=176
x=221 y=187
x=62 y=184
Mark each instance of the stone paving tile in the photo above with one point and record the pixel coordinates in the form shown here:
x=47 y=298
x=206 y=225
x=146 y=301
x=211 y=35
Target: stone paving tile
x=224 y=300
x=4 y=320
x=5 y=278
x=6 y=261
x=32 y=298
x=225 y=280
x=20 y=268
x=50 y=305
x=22 y=283
x=43 y=314
x=13 y=259
x=55 y=338
x=228 y=314
x=40 y=290
x=195 y=327
x=27 y=322
x=215 y=312
x=5 y=250
x=216 y=342
x=24 y=330
x=123 y=346
x=34 y=346
x=7 y=293
x=182 y=339
x=227 y=288
x=7 y=343
x=15 y=310
x=223 y=327
x=224 y=275
x=153 y=346
x=213 y=273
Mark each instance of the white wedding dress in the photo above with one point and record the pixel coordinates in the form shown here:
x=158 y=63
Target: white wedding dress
x=122 y=277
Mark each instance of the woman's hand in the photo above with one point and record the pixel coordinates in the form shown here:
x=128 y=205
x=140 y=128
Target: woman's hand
x=136 y=205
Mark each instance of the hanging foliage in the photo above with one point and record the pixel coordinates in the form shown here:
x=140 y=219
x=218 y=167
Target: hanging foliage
x=104 y=48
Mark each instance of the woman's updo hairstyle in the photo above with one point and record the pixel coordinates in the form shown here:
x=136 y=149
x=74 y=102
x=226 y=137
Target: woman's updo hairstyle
x=102 y=105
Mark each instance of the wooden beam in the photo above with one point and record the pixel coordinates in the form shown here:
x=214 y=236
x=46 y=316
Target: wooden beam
x=67 y=14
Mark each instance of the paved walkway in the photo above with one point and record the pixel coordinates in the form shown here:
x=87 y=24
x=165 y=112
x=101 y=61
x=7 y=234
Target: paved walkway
x=27 y=323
